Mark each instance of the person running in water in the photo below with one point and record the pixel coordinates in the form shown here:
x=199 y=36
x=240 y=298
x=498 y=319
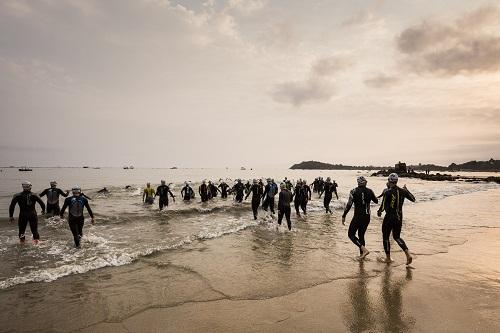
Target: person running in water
x=27 y=212
x=306 y=196
x=256 y=191
x=270 y=192
x=239 y=189
x=187 y=192
x=203 y=191
x=284 y=209
x=223 y=189
x=212 y=189
x=392 y=204
x=148 y=196
x=163 y=191
x=361 y=197
x=75 y=206
x=297 y=196
x=328 y=189
x=53 y=194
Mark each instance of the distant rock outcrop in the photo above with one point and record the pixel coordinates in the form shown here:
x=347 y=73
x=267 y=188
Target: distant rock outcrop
x=315 y=165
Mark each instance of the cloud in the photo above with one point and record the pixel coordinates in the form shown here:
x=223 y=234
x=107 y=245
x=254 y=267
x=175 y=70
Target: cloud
x=466 y=45
x=246 y=6
x=382 y=80
x=303 y=92
x=359 y=19
x=317 y=87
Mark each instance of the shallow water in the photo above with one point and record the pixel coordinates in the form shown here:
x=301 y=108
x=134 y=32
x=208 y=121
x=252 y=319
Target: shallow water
x=127 y=230
x=201 y=252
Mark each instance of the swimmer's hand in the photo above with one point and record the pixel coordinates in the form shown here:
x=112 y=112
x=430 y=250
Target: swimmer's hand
x=343 y=220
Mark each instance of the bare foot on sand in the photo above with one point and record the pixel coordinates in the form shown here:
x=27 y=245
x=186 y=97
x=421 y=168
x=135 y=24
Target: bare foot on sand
x=385 y=260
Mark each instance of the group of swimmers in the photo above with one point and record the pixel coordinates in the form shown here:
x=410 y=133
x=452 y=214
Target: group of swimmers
x=392 y=203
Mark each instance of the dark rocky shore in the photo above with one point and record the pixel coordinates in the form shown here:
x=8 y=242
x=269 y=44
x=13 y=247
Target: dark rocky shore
x=434 y=177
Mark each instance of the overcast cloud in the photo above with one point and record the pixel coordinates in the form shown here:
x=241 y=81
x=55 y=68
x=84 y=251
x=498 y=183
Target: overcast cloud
x=247 y=82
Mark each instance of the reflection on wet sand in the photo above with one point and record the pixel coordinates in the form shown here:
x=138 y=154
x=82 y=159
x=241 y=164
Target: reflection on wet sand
x=361 y=314
x=392 y=311
x=360 y=317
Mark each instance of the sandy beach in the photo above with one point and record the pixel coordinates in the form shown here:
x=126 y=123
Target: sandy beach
x=257 y=280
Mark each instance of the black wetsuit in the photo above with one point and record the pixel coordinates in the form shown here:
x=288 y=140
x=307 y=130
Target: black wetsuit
x=392 y=202
x=239 y=188
x=223 y=186
x=361 y=197
x=75 y=206
x=203 y=191
x=163 y=191
x=53 y=194
x=27 y=212
x=297 y=198
x=285 y=197
x=256 y=191
x=187 y=193
x=306 y=196
x=328 y=190
x=213 y=190
x=269 y=192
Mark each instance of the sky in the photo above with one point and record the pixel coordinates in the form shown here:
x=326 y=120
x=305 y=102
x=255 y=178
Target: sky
x=255 y=83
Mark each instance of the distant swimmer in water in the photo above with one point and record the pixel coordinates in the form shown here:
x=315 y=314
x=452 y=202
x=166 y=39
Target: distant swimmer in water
x=163 y=191
x=239 y=189
x=270 y=192
x=328 y=189
x=361 y=197
x=256 y=191
x=223 y=189
x=53 y=194
x=284 y=209
x=103 y=191
x=75 y=205
x=392 y=203
x=203 y=191
x=27 y=212
x=148 y=196
x=187 y=192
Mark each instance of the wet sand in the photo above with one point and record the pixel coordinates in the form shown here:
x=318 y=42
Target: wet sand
x=395 y=300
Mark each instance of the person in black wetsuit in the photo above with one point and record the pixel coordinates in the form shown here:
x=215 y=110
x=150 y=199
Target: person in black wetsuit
x=328 y=189
x=187 y=192
x=75 y=205
x=27 y=212
x=203 y=191
x=223 y=189
x=284 y=209
x=212 y=190
x=392 y=202
x=306 y=196
x=247 y=187
x=297 y=196
x=163 y=191
x=53 y=194
x=361 y=197
x=239 y=189
x=257 y=193
x=270 y=192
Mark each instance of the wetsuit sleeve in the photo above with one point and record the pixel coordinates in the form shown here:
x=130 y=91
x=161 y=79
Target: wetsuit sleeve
x=309 y=191
x=86 y=197
x=408 y=195
x=44 y=192
x=382 y=203
x=12 y=206
x=349 y=204
x=171 y=194
x=65 y=205
x=40 y=202
x=61 y=192
x=88 y=209
x=373 y=198
x=157 y=190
